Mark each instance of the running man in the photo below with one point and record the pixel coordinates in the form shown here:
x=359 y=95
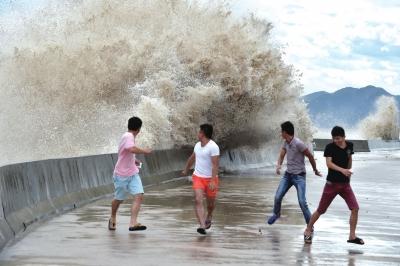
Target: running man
x=205 y=176
x=126 y=176
x=339 y=162
x=295 y=174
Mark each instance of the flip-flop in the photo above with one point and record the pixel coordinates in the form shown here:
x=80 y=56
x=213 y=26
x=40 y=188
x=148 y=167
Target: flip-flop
x=208 y=224
x=137 y=227
x=356 y=240
x=201 y=231
x=111 y=225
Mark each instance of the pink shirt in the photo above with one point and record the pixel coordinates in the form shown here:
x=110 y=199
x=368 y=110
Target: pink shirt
x=126 y=166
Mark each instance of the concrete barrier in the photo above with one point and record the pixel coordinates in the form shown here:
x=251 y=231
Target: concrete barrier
x=249 y=157
x=33 y=191
x=384 y=144
x=359 y=145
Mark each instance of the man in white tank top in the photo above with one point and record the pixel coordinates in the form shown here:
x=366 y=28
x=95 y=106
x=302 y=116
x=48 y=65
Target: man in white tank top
x=205 y=176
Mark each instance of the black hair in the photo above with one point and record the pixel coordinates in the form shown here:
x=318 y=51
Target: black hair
x=288 y=128
x=337 y=132
x=207 y=130
x=134 y=123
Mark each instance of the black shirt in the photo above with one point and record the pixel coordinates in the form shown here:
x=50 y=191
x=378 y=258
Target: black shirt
x=340 y=157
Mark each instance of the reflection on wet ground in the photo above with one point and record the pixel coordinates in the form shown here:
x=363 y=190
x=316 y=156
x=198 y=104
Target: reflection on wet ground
x=239 y=234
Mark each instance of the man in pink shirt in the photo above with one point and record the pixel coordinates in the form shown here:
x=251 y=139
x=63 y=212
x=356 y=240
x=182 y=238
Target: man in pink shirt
x=126 y=176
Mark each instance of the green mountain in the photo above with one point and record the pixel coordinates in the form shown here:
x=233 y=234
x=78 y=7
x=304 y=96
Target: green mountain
x=346 y=107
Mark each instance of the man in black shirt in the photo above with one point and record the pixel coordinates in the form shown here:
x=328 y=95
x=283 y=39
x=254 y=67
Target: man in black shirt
x=339 y=161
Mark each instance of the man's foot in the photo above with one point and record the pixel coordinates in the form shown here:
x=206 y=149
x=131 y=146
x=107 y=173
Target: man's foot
x=208 y=224
x=137 y=227
x=273 y=219
x=111 y=225
x=356 y=240
x=201 y=231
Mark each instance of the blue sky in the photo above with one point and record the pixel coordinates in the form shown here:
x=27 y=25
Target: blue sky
x=338 y=43
x=333 y=43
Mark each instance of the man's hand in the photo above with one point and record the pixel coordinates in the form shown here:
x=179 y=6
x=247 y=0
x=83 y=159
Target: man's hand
x=317 y=173
x=278 y=169
x=347 y=172
x=138 y=163
x=184 y=173
x=212 y=185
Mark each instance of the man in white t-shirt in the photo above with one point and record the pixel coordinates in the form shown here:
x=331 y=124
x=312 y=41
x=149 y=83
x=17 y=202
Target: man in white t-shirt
x=205 y=176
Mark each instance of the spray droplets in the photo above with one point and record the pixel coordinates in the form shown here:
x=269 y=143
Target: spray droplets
x=73 y=73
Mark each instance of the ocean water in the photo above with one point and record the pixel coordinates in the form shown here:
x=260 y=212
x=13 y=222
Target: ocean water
x=72 y=73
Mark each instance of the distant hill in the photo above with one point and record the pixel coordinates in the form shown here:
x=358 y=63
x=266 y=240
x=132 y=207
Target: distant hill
x=347 y=106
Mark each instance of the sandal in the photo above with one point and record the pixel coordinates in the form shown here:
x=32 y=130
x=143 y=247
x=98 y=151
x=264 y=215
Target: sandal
x=356 y=240
x=208 y=224
x=201 y=231
x=308 y=239
x=137 y=227
x=111 y=225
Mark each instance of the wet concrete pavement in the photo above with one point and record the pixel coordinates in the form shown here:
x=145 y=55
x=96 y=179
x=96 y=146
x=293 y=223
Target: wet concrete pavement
x=239 y=234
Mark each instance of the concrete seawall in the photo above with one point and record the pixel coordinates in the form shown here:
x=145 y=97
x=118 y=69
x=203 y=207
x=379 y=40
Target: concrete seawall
x=247 y=157
x=359 y=145
x=34 y=191
x=384 y=144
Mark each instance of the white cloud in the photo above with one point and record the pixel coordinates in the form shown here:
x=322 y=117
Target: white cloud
x=326 y=40
x=385 y=49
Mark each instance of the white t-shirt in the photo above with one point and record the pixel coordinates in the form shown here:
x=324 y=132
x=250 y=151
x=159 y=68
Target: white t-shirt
x=203 y=164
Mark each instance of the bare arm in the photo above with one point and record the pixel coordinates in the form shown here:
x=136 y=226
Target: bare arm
x=310 y=157
x=189 y=163
x=333 y=166
x=350 y=162
x=138 y=150
x=215 y=166
x=280 y=161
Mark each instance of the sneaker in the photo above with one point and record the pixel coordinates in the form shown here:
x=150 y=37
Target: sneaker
x=273 y=219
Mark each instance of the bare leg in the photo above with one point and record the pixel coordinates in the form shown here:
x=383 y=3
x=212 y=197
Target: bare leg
x=314 y=217
x=210 y=207
x=137 y=202
x=199 y=208
x=114 y=208
x=353 y=223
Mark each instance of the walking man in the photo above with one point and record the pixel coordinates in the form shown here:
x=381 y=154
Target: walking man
x=205 y=177
x=295 y=174
x=126 y=176
x=339 y=161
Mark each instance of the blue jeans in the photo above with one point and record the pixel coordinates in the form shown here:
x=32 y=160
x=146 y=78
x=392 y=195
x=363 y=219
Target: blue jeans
x=287 y=181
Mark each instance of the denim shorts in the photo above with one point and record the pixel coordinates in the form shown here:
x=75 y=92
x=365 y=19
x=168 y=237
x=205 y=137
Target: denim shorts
x=125 y=186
